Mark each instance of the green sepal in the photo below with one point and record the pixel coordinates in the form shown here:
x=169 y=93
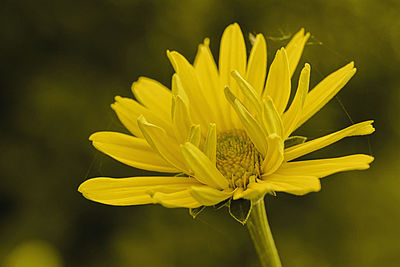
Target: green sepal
x=194 y=212
x=240 y=210
x=181 y=174
x=222 y=204
x=294 y=140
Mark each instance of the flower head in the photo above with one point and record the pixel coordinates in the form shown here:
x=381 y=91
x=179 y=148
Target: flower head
x=226 y=130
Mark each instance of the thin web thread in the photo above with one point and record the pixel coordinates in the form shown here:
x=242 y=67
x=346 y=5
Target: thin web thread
x=314 y=41
x=217 y=230
x=342 y=106
x=96 y=156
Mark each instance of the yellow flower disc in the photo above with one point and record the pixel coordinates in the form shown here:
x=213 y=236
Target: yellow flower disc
x=237 y=158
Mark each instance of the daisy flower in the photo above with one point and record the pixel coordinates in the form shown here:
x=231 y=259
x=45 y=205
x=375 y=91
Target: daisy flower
x=226 y=129
x=226 y=133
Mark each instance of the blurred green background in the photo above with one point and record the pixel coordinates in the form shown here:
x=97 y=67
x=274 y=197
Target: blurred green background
x=62 y=62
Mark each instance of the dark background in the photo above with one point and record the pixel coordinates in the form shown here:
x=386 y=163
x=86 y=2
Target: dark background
x=62 y=62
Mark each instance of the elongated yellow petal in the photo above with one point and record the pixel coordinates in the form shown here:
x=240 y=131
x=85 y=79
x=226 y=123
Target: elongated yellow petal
x=210 y=145
x=254 y=190
x=257 y=65
x=362 y=128
x=200 y=107
x=160 y=142
x=133 y=190
x=178 y=90
x=250 y=125
x=252 y=128
x=131 y=151
x=182 y=199
x=251 y=98
x=295 y=48
x=181 y=118
x=278 y=81
x=206 y=68
x=274 y=157
x=204 y=170
x=180 y=110
x=194 y=135
x=293 y=114
x=209 y=196
x=324 y=167
x=270 y=118
x=153 y=95
x=325 y=90
x=232 y=55
x=127 y=117
x=207 y=73
x=293 y=184
x=128 y=110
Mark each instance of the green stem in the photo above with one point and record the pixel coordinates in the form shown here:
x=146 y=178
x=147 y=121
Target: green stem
x=261 y=235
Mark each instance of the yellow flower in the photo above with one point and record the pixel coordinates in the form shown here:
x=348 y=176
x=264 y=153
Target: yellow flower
x=224 y=129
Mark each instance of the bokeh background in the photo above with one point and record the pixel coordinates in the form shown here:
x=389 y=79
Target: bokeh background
x=62 y=62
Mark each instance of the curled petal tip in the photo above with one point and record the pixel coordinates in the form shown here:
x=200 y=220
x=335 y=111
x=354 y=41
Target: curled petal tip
x=91 y=137
x=80 y=189
x=117 y=98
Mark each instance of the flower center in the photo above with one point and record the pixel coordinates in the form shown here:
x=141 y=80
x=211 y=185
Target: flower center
x=237 y=158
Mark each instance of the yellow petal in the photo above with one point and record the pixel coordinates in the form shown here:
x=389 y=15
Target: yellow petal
x=127 y=117
x=274 y=157
x=278 y=81
x=194 y=135
x=181 y=119
x=153 y=95
x=204 y=170
x=251 y=98
x=293 y=184
x=159 y=141
x=362 y=128
x=270 y=118
x=325 y=90
x=232 y=55
x=132 y=191
x=295 y=48
x=201 y=110
x=257 y=66
x=209 y=196
x=250 y=125
x=252 y=192
x=178 y=90
x=182 y=199
x=293 y=114
x=208 y=76
x=131 y=151
x=324 y=167
x=210 y=145
x=128 y=110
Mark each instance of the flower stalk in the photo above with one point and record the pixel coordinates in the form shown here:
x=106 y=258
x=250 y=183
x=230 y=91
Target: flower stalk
x=261 y=235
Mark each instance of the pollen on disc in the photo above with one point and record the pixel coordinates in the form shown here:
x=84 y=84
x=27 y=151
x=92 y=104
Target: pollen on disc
x=237 y=157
